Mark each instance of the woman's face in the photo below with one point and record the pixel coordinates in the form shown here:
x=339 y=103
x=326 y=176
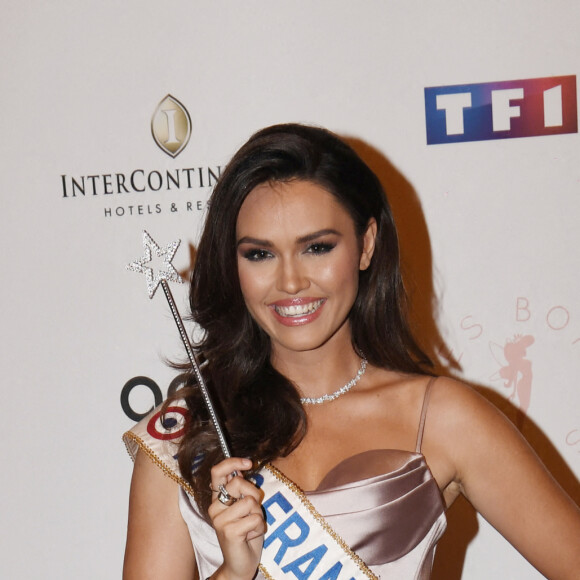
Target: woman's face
x=298 y=259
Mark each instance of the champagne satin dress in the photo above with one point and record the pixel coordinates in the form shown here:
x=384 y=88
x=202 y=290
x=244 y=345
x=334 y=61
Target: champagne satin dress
x=384 y=503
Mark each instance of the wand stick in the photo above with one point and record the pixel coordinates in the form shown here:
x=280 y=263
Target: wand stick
x=160 y=278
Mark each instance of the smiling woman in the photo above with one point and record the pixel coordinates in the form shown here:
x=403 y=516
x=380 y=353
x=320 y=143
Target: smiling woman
x=297 y=288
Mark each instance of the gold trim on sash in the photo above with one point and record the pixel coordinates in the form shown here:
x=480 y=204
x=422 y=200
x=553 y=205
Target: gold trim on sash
x=265 y=573
x=130 y=437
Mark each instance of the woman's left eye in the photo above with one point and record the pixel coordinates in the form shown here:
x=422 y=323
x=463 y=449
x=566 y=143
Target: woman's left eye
x=320 y=248
x=256 y=255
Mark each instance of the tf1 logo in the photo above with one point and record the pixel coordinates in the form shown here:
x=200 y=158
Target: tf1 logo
x=501 y=110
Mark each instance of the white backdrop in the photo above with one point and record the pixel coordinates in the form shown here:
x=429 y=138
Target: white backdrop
x=491 y=226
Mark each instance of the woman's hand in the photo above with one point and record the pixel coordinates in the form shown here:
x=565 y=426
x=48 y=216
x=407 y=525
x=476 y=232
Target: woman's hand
x=240 y=527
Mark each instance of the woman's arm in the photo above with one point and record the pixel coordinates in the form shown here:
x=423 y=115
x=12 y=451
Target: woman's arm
x=505 y=481
x=158 y=542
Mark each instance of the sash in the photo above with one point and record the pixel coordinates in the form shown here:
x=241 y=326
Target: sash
x=299 y=543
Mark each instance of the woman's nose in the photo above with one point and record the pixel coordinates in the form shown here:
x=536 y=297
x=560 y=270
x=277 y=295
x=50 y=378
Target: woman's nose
x=291 y=277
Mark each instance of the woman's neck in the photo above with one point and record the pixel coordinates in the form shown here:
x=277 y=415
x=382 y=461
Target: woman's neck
x=319 y=371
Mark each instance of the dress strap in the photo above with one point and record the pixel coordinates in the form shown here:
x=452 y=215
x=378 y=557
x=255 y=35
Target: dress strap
x=424 y=414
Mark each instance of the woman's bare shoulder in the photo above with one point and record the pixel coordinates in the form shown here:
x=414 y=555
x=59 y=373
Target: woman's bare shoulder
x=456 y=405
x=465 y=425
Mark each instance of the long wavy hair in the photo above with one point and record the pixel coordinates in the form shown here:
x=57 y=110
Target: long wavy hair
x=260 y=407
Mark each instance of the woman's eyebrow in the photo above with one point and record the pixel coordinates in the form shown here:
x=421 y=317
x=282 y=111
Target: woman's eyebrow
x=318 y=234
x=300 y=240
x=255 y=241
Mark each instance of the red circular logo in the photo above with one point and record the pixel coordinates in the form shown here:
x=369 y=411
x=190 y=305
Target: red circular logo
x=165 y=434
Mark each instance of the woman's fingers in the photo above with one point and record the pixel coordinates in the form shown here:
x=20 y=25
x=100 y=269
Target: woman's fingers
x=241 y=490
x=246 y=528
x=226 y=469
x=239 y=519
x=228 y=486
x=238 y=487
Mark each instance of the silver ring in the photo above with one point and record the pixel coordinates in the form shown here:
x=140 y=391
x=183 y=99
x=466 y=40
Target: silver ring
x=224 y=497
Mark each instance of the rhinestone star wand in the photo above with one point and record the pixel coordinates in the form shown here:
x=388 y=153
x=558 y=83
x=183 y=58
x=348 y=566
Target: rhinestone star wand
x=161 y=278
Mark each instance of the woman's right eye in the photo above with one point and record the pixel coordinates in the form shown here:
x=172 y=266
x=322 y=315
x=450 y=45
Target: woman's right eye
x=256 y=255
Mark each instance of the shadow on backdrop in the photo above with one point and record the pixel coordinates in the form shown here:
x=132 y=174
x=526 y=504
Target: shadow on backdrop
x=416 y=255
x=417 y=270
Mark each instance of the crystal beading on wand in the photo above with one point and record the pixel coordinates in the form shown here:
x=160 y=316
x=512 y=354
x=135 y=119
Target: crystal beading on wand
x=169 y=273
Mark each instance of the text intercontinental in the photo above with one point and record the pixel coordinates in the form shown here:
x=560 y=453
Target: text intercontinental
x=139 y=181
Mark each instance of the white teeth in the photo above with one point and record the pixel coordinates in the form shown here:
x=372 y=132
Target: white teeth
x=298 y=309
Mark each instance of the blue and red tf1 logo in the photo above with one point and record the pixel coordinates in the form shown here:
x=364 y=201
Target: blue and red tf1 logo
x=501 y=110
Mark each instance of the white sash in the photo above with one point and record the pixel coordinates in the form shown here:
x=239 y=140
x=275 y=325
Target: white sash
x=299 y=543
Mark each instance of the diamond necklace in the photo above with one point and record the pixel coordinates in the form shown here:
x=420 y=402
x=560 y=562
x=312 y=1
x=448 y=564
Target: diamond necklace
x=339 y=392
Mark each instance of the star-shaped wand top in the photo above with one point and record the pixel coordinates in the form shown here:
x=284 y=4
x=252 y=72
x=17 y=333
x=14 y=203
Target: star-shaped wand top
x=167 y=272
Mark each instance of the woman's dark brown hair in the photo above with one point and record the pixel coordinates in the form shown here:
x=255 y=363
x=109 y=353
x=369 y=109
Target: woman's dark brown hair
x=261 y=408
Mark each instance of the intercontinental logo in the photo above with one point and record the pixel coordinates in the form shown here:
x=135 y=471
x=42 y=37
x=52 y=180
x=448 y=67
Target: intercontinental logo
x=171 y=126
x=145 y=191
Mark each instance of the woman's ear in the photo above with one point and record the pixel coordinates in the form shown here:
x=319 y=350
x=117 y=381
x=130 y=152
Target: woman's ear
x=368 y=246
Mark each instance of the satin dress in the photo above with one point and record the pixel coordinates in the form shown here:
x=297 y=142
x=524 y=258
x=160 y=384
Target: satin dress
x=384 y=503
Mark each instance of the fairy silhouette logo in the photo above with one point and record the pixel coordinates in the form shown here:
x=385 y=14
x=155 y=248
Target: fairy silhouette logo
x=515 y=369
x=544 y=336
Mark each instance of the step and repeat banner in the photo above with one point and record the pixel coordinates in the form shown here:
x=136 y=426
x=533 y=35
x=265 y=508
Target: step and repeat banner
x=119 y=118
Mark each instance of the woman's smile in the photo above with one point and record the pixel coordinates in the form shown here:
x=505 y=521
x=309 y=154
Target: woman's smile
x=297 y=311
